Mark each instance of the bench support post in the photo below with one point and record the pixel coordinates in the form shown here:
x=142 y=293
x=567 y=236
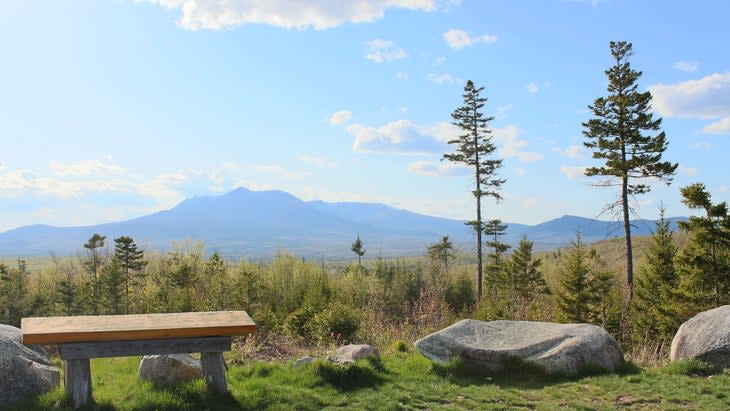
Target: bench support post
x=77 y=380
x=213 y=368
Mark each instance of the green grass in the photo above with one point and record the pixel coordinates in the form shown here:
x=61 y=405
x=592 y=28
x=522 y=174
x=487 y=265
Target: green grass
x=401 y=381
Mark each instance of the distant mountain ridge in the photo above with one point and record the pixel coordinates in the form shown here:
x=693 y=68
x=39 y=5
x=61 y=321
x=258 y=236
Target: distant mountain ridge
x=255 y=224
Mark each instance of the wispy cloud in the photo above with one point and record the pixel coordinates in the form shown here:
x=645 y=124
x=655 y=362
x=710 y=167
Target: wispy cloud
x=573 y=172
x=533 y=88
x=437 y=169
x=384 y=51
x=84 y=168
x=218 y=14
x=316 y=161
x=402 y=75
x=512 y=146
x=401 y=137
x=340 y=117
x=702 y=145
x=688 y=171
x=457 y=39
x=687 y=66
x=444 y=78
x=718 y=127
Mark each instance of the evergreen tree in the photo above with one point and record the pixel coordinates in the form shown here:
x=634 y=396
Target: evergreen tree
x=14 y=289
x=130 y=260
x=584 y=287
x=655 y=302
x=93 y=263
x=705 y=261
x=620 y=133
x=474 y=148
x=442 y=252
x=359 y=249
x=112 y=282
x=524 y=279
x=493 y=230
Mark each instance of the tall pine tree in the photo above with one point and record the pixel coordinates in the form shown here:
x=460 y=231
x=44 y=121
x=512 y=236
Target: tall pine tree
x=93 y=262
x=474 y=147
x=621 y=133
x=130 y=260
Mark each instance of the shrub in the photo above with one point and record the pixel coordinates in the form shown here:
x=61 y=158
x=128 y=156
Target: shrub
x=338 y=322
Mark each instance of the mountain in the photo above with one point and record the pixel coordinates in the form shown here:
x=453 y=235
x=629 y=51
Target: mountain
x=254 y=224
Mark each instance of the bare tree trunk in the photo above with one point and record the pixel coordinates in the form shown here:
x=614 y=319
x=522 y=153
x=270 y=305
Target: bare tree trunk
x=627 y=234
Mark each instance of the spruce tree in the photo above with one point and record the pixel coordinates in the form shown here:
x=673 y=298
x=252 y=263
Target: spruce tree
x=584 y=287
x=621 y=133
x=359 y=249
x=93 y=263
x=130 y=260
x=442 y=252
x=524 y=278
x=704 y=263
x=474 y=148
x=493 y=230
x=112 y=281
x=655 y=302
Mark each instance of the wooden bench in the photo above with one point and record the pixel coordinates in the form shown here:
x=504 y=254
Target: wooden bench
x=83 y=337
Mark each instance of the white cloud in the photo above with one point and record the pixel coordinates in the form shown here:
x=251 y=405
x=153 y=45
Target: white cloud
x=401 y=137
x=444 y=78
x=439 y=60
x=707 y=98
x=321 y=14
x=511 y=146
x=278 y=170
x=689 y=171
x=384 y=51
x=718 y=127
x=402 y=75
x=533 y=88
x=2 y=165
x=434 y=169
x=84 y=168
x=340 y=117
x=502 y=111
x=573 y=172
x=457 y=39
x=688 y=66
x=575 y=151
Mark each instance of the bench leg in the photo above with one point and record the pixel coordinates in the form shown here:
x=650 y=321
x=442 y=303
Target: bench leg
x=77 y=380
x=213 y=367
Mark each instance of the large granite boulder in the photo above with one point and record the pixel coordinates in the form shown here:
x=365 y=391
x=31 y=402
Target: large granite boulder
x=491 y=346
x=24 y=370
x=351 y=352
x=169 y=368
x=706 y=336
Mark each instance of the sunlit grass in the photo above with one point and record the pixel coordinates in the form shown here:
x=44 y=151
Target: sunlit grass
x=402 y=380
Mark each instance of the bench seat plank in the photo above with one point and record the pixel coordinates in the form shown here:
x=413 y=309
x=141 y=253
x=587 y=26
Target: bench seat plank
x=58 y=330
x=106 y=349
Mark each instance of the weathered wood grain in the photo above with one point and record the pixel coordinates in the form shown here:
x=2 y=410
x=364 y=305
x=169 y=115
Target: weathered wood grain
x=104 y=349
x=57 y=330
x=213 y=369
x=77 y=380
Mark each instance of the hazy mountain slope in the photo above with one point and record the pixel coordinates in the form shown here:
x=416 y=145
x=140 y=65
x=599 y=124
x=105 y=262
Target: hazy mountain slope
x=244 y=223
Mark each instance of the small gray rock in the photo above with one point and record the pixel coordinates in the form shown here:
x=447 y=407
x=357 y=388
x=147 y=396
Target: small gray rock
x=169 y=368
x=351 y=352
x=706 y=336
x=24 y=370
x=490 y=346
x=302 y=362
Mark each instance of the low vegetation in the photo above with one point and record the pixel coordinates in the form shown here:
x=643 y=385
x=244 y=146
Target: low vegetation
x=402 y=380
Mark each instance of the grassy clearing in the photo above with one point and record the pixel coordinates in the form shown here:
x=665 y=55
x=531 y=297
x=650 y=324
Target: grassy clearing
x=402 y=380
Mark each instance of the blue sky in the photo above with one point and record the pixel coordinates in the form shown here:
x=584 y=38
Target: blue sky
x=114 y=109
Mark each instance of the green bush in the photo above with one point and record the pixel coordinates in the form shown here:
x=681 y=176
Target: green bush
x=337 y=322
x=690 y=366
